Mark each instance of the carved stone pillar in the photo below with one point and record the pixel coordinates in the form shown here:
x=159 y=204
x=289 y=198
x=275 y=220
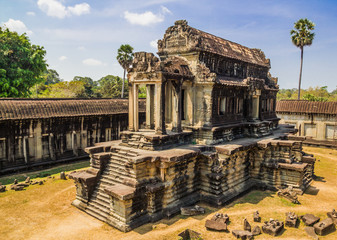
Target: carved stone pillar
x=131 y=109
x=149 y=107
x=178 y=109
x=160 y=114
x=135 y=108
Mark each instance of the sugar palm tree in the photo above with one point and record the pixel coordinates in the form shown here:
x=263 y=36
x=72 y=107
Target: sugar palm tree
x=302 y=36
x=124 y=58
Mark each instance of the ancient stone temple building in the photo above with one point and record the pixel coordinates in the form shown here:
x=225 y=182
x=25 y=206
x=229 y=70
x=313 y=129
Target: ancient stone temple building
x=211 y=134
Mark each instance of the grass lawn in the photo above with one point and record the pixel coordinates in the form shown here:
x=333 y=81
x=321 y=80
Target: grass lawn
x=45 y=212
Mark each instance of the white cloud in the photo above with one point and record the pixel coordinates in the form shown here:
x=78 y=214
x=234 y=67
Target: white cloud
x=81 y=48
x=165 y=10
x=147 y=18
x=55 y=8
x=17 y=26
x=80 y=9
x=30 y=13
x=93 y=62
x=62 y=58
x=143 y=19
x=154 y=44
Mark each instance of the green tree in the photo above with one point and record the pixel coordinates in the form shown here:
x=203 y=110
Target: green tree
x=51 y=76
x=302 y=36
x=21 y=64
x=124 y=58
x=72 y=89
x=89 y=85
x=110 y=86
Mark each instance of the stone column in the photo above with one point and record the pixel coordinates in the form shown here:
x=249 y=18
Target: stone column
x=160 y=114
x=179 y=107
x=131 y=109
x=149 y=106
x=135 y=107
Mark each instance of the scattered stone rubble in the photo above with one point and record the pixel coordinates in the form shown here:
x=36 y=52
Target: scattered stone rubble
x=218 y=222
x=288 y=194
x=291 y=219
x=333 y=216
x=257 y=217
x=243 y=234
x=256 y=231
x=273 y=227
x=27 y=180
x=246 y=225
x=324 y=227
x=189 y=235
x=63 y=176
x=191 y=211
x=309 y=219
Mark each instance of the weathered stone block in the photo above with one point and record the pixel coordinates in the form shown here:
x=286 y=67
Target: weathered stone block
x=291 y=219
x=273 y=227
x=190 y=235
x=324 y=227
x=244 y=235
x=218 y=222
x=191 y=211
x=309 y=219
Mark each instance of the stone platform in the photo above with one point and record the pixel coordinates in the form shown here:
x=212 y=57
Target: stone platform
x=128 y=186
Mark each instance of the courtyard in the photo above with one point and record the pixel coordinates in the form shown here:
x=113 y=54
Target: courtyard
x=45 y=211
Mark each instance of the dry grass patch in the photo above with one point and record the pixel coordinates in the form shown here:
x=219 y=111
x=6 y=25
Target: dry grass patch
x=45 y=212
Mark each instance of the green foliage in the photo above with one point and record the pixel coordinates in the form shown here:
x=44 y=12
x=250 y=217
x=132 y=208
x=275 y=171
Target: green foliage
x=301 y=35
x=72 y=89
x=110 y=86
x=51 y=76
x=142 y=92
x=89 y=86
x=311 y=94
x=124 y=58
x=21 y=64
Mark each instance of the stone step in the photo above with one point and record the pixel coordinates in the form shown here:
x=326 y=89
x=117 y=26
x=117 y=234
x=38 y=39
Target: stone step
x=111 y=182
x=118 y=172
x=95 y=212
x=101 y=196
x=118 y=156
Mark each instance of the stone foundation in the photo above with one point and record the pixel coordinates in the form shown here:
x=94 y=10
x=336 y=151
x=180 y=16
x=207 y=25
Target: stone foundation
x=127 y=187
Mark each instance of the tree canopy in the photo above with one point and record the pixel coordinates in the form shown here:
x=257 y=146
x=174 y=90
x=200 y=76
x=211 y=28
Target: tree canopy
x=124 y=58
x=21 y=64
x=311 y=94
x=110 y=86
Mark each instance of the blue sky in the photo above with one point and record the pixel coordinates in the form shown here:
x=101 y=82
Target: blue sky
x=82 y=37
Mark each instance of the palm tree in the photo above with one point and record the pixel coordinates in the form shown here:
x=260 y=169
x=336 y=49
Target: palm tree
x=302 y=36
x=124 y=58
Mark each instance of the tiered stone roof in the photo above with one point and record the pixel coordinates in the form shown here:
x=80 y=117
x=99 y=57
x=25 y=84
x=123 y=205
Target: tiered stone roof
x=302 y=106
x=197 y=40
x=15 y=109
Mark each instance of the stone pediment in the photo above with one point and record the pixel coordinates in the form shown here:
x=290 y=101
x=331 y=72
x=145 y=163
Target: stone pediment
x=181 y=38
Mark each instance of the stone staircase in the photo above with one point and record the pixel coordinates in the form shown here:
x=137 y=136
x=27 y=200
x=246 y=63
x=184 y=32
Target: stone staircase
x=117 y=171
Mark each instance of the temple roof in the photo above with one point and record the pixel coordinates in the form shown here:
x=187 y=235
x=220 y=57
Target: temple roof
x=15 y=109
x=182 y=35
x=302 y=106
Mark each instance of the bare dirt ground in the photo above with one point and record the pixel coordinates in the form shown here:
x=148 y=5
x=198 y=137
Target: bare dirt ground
x=45 y=212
